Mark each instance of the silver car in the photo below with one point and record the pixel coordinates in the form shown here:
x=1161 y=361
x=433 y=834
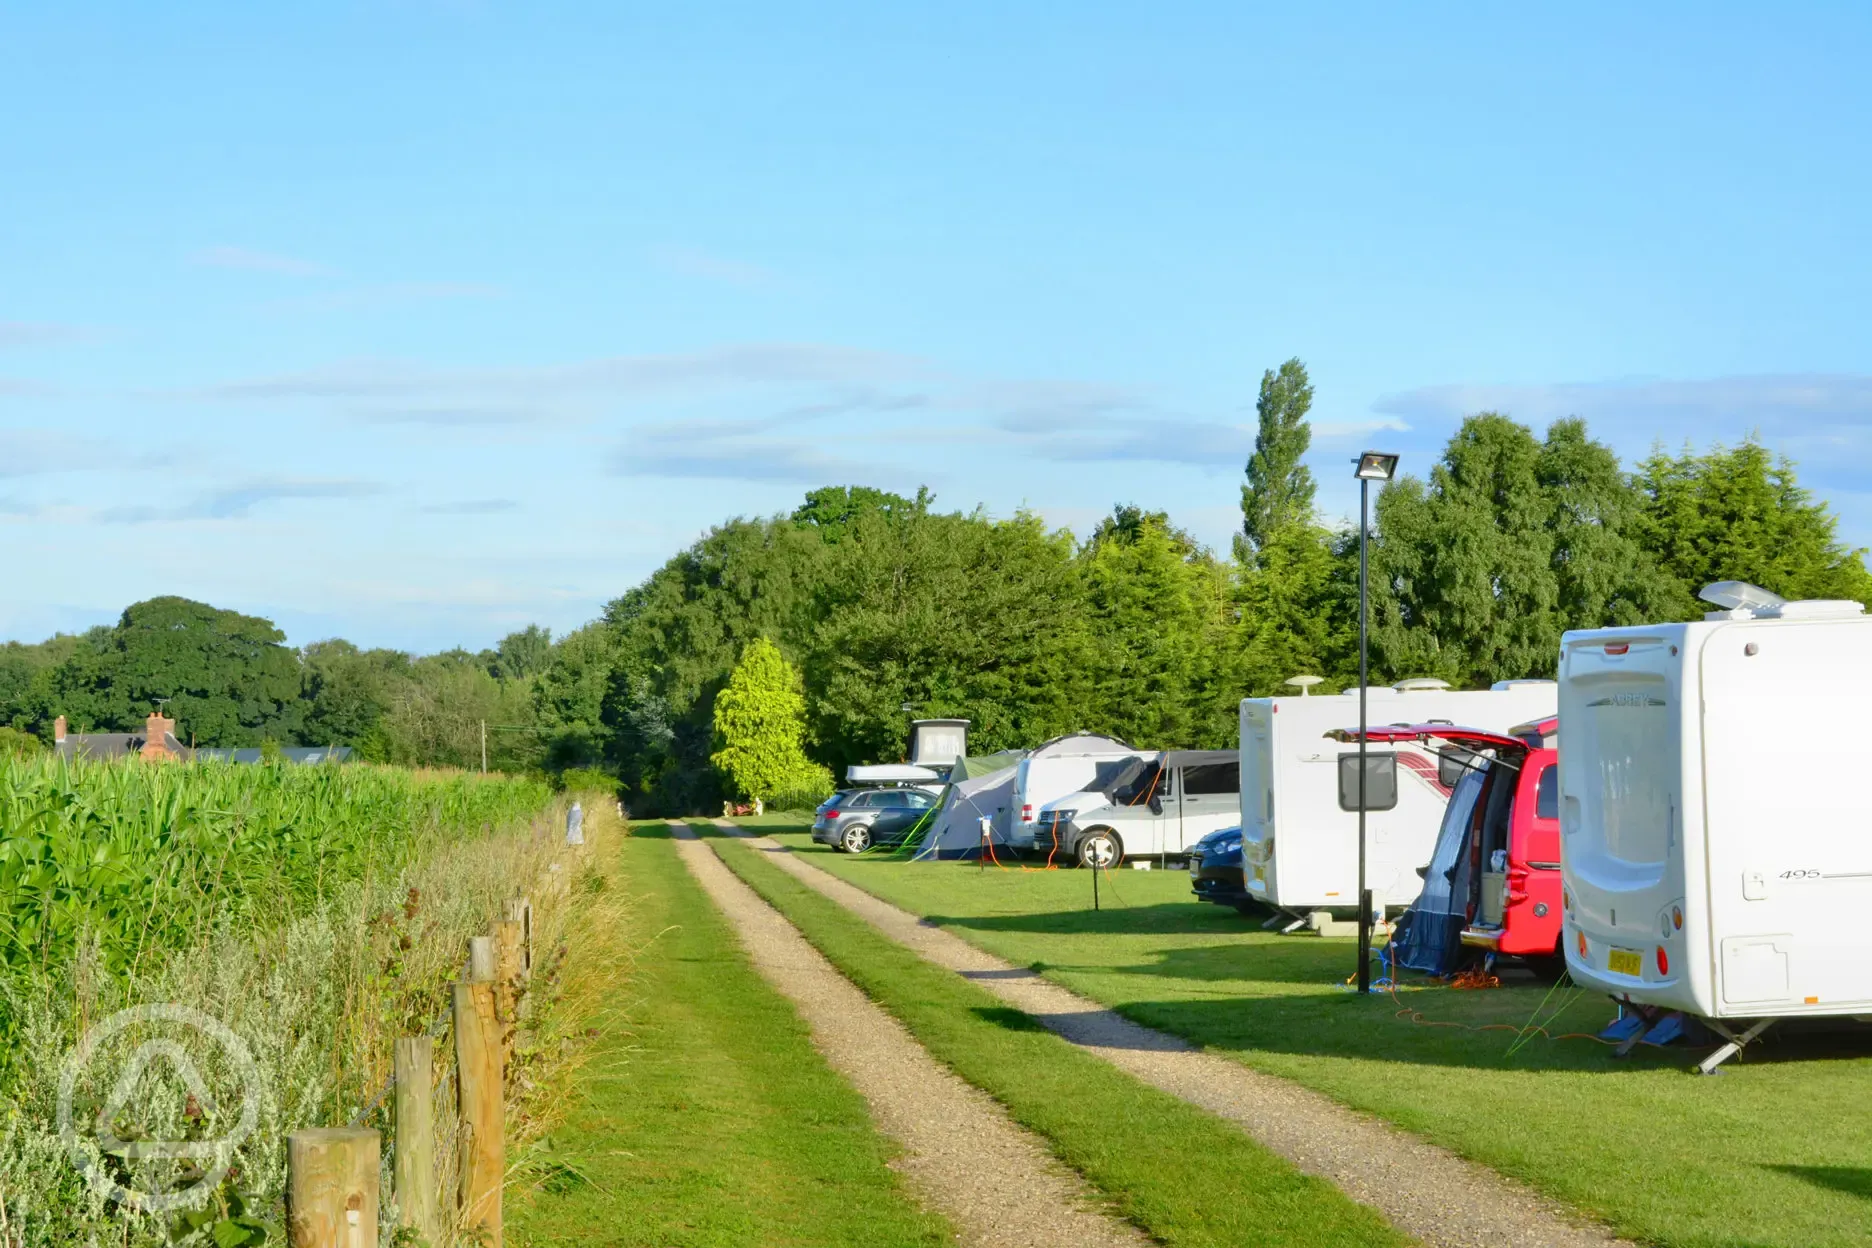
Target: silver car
x=854 y=820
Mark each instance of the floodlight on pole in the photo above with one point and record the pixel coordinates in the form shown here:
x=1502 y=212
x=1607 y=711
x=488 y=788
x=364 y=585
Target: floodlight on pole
x=1304 y=683
x=1376 y=466
x=1371 y=466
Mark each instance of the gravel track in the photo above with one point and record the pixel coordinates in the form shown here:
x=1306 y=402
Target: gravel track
x=1421 y=1188
x=955 y=1137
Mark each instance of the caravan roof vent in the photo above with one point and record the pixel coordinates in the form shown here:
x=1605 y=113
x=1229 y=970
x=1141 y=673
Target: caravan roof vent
x=1741 y=601
x=1516 y=684
x=1739 y=596
x=1420 y=684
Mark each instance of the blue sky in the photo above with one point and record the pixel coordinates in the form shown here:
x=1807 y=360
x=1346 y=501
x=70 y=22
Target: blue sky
x=416 y=322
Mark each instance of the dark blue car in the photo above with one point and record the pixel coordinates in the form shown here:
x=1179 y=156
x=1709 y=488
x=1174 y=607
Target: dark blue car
x=1216 y=872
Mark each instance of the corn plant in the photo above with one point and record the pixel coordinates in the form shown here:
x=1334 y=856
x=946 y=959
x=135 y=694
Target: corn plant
x=132 y=859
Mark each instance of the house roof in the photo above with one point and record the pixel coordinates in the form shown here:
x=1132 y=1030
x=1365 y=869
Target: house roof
x=290 y=754
x=104 y=746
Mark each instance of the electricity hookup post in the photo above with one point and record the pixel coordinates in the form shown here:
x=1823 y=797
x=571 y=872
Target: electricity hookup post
x=1372 y=466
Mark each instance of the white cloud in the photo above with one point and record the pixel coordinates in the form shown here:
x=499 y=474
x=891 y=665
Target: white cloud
x=708 y=265
x=236 y=502
x=1793 y=402
x=251 y=260
x=620 y=376
x=40 y=334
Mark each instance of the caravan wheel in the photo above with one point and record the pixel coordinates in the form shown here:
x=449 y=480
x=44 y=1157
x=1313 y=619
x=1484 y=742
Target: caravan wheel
x=1101 y=848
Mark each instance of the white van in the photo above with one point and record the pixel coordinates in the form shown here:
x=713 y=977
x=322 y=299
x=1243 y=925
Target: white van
x=1299 y=828
x=1159 y=808
x=1713 y=842
x=1071 y=764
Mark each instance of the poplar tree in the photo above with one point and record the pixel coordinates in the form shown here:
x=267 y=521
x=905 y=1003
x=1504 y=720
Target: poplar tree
x=1279 y=490
x=1286 y=576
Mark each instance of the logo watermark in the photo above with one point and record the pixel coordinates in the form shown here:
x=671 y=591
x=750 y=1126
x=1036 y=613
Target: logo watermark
x=208 y=1159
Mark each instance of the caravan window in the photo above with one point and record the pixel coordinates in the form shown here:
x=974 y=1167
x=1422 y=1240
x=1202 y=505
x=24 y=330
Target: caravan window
x=1212 y=778
x=1380 y=781
x=1547 y=794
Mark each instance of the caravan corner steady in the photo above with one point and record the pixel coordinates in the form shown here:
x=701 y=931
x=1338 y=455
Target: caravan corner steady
x=1713 y=842
x=1299 y=843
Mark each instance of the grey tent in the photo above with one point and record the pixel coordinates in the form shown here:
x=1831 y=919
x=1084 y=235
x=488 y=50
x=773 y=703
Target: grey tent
x=982 y=764
x=955 y=831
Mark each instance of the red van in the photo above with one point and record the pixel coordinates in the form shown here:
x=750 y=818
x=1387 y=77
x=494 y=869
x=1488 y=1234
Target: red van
x=1493 y=881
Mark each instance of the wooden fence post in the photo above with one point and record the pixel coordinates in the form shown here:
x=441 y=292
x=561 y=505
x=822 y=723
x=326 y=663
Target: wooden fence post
x=331 y=1187
x=415 y=1136
x=520 y=910
x=507 y=982
x=483 y=960
x=478 y=1075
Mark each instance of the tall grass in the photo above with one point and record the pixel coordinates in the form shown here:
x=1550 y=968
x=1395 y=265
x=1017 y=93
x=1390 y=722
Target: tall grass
x=316 y=912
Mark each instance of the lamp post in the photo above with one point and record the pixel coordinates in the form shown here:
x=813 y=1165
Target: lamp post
x=1372 y=466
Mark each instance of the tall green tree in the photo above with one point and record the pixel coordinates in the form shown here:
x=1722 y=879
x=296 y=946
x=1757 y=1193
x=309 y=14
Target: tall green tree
x=1156 y=612
x=1738 y=513
x=348 y=690
x=569 y=696
x=760 y=726
x=1295 y=612
x=1463 y=575
x=1279 y=489
x=832 y=509
x=1511 y=542
x=524 y=654
x=952 y=615
x=1603 y=572
x=680 y=633
x=437 y=715
x=228 y=678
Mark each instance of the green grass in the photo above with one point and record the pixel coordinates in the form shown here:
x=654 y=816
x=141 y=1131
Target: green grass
x=706 y=1117
x=1777 y=1151
x=1185 y=1176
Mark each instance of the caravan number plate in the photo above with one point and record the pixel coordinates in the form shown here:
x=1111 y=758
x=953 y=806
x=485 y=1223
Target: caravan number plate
x=1625 y=962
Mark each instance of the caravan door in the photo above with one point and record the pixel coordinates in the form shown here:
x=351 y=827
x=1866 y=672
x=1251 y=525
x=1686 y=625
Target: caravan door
x=1211 y=801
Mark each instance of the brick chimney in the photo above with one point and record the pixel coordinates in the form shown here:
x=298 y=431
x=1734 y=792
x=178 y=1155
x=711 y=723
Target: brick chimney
x=58 y=731
x=155 y=738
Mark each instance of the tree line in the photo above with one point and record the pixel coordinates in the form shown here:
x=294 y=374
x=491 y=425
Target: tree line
x=888 y=609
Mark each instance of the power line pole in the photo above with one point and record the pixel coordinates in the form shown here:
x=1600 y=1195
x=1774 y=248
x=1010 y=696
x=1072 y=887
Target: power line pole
x=484 y=747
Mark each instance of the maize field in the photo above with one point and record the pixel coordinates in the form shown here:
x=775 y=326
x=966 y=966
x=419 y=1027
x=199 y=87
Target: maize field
x=130 y=860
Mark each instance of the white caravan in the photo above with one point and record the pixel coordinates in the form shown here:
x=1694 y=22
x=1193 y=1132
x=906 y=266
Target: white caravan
x=1152 y=810
x=1713 y=842
x=1300 y=827
x=1082 y=761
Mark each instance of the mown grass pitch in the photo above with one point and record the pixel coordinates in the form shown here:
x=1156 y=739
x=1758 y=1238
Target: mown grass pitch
x=1186 y=1177
x=707 y=1119
x=1775 y=1151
